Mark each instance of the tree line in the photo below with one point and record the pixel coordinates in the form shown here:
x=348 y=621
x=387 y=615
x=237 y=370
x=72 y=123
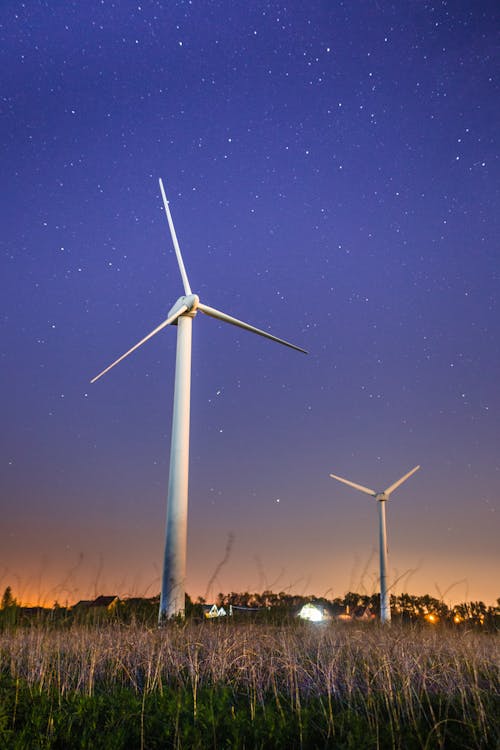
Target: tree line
x=268 y=605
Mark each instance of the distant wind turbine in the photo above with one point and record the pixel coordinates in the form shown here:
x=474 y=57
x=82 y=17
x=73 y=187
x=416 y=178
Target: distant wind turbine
x=181 y=315
x=385 y=607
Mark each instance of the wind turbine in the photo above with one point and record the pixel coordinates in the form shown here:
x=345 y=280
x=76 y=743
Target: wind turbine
x=385 y=607
x=181 y=314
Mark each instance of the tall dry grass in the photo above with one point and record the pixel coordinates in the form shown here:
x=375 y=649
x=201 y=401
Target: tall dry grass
x=401 y=677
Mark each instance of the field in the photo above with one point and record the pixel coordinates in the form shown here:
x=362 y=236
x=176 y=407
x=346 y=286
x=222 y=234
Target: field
x=231 y=685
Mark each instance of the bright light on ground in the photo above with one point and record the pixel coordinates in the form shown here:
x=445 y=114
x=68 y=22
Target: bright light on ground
x=312 y=613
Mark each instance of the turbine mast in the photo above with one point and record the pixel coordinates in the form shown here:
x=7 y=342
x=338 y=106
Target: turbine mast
x=174 y=562
x=385 y=605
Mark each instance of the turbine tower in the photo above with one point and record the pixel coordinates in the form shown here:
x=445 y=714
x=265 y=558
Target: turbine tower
x=385 y=607
x=181 y=314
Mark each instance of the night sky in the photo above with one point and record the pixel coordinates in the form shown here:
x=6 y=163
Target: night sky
x=332 y=171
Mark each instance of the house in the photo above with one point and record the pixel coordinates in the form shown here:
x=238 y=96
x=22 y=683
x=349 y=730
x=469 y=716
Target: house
x=96 y=608
x=356 y=614
x=211 y=610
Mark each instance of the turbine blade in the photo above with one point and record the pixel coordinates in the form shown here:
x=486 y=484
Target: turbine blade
x=400 y=481
x=213 y=313
x=185 y=281
x=165 y=323
x=360 y=487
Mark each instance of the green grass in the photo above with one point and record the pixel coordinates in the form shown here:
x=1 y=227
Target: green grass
x=218 y=685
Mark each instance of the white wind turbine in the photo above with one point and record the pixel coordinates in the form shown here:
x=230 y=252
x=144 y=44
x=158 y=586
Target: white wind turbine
x=181 y=315
x=385 y=607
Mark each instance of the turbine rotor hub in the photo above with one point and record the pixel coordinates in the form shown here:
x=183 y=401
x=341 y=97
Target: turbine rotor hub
x=382 y=497
x=191 y=301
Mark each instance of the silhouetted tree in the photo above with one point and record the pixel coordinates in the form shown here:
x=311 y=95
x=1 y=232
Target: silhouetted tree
x=7 y=599
x=8 y=608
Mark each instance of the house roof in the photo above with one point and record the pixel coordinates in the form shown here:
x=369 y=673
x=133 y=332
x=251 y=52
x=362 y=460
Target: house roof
x=212 y=610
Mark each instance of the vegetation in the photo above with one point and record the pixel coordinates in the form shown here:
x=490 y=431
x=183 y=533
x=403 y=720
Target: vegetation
x=102 y=675
x=266 y=607
x=247 y=685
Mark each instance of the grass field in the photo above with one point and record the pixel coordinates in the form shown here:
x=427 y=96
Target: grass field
x=230 y=685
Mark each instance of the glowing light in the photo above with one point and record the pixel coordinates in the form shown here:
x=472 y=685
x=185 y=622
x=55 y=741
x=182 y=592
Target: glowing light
x=312 y=612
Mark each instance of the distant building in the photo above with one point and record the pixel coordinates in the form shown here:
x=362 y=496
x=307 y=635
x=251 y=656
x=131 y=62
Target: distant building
x=355 y=614
x=93 y=607
x=212 y=610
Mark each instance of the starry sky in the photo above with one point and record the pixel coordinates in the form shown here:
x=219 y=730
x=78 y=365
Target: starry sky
x=332 y=171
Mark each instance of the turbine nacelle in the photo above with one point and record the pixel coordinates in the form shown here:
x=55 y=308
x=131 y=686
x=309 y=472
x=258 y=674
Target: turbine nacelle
x=382 y=497
x=188 y=301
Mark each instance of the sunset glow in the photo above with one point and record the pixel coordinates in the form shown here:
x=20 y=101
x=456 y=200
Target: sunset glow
x=332 y=169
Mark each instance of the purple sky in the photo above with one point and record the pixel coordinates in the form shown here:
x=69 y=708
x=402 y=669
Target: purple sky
x=332 y=171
